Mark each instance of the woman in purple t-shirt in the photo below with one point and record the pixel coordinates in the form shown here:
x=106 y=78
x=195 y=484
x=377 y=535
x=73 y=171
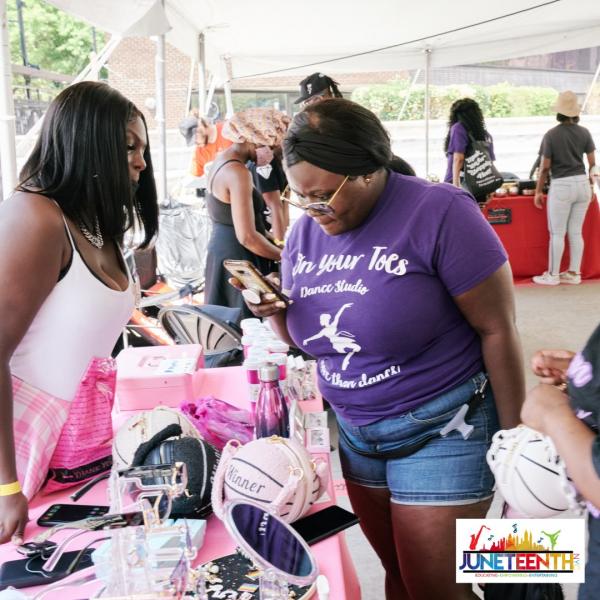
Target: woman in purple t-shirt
x=465 y=118
x=403 y=293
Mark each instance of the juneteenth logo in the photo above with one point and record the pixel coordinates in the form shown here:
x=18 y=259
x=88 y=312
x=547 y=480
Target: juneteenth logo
x=525 y=550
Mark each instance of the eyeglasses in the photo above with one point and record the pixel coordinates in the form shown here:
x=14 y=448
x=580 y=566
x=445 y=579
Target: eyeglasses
x=322 y=207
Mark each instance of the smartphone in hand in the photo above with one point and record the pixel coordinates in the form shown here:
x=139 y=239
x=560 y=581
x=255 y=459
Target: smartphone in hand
x=253 y=280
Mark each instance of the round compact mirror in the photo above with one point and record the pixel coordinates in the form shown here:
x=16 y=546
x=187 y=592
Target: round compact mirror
x=270 y=542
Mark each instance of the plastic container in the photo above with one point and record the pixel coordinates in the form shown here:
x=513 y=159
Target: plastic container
x=250 y=325
x=153 y=375
x=248 y=340
x=252 y=367
x=279 y=347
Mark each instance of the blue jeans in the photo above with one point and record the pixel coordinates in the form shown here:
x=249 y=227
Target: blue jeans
x=446 y=471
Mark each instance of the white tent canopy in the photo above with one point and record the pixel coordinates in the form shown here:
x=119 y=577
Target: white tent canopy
x=265 y=37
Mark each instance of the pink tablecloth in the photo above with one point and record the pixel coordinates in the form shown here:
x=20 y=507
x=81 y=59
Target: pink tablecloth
x=227 y=384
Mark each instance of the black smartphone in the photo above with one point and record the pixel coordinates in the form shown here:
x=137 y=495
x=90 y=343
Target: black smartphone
x=28 y=572
x=57 y=514
x=320 y=525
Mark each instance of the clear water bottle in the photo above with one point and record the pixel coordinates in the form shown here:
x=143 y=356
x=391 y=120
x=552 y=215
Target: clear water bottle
x=271 y=414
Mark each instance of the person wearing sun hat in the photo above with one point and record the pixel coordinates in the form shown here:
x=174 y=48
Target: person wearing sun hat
x=236 y=208
x=570 y=192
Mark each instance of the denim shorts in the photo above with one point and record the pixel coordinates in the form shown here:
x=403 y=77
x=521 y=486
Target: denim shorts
x=445 y=471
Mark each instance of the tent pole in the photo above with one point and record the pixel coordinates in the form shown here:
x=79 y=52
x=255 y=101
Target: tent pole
x=228 y=99
x=212 y=83
x=161 y=123
x=591 y=88
x=408 y=92
x=188 y=98
x=8 y=133
x=427 y=67
x=201 y=74
x=227 y=86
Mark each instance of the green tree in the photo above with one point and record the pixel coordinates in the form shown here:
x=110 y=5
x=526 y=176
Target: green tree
x=55 y=41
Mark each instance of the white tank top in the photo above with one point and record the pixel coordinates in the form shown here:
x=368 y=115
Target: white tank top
x=79 y=320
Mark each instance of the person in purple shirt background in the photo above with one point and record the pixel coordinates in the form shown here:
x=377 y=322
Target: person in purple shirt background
x=465 y=118
x=403 y=293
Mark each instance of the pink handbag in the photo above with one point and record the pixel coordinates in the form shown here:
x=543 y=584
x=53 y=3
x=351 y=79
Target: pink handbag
x=38 y=419
x=59 y=442
x=84 y=448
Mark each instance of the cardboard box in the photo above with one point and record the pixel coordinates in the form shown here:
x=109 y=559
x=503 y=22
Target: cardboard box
x=153 y=375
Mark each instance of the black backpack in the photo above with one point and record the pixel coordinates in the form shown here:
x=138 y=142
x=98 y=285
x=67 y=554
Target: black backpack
x=201 y=459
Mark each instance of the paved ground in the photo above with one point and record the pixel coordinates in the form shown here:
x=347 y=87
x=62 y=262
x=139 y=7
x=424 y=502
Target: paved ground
x=547 y=317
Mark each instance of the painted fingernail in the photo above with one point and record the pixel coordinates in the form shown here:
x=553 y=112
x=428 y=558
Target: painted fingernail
x=17 y=541
x=280 y=304
x=270 y=296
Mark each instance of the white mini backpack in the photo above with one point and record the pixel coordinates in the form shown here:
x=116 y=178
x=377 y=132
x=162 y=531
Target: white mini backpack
x=529 y=473
x=277 y=472
x=141 y=427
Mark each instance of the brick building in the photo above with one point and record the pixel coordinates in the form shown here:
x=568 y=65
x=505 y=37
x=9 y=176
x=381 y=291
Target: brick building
x=131 y=70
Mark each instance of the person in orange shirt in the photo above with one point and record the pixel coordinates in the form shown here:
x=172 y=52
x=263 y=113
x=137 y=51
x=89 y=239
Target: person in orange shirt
x=209 y=142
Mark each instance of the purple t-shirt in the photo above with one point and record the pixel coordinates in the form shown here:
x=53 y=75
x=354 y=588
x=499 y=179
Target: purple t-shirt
x=374 y=305
x=458 y=142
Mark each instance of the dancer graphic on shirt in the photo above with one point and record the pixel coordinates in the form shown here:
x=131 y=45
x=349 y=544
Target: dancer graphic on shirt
x=340 y=340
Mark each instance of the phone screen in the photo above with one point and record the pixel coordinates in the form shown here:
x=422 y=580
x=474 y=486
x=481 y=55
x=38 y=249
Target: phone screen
x=57 y=514
x=251 y=278
x=324 y=523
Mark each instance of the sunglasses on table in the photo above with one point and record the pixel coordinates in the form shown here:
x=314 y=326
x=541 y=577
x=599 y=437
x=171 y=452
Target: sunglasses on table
x=322 y=207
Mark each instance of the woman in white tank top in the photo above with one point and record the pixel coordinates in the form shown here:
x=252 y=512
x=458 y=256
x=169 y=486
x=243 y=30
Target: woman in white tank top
x=66 y=291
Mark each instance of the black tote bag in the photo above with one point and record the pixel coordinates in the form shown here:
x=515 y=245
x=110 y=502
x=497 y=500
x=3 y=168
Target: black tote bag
x=481 y=176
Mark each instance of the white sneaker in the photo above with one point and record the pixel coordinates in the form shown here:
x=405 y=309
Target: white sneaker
x=546 y=279
x=572 y=278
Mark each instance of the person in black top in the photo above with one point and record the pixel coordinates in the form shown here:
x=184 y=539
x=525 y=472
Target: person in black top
x=571 y=419
x=235 y=207
x=270 y=181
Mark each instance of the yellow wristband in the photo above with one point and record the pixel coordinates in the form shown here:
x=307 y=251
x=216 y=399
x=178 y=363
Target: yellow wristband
x=8 y=489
